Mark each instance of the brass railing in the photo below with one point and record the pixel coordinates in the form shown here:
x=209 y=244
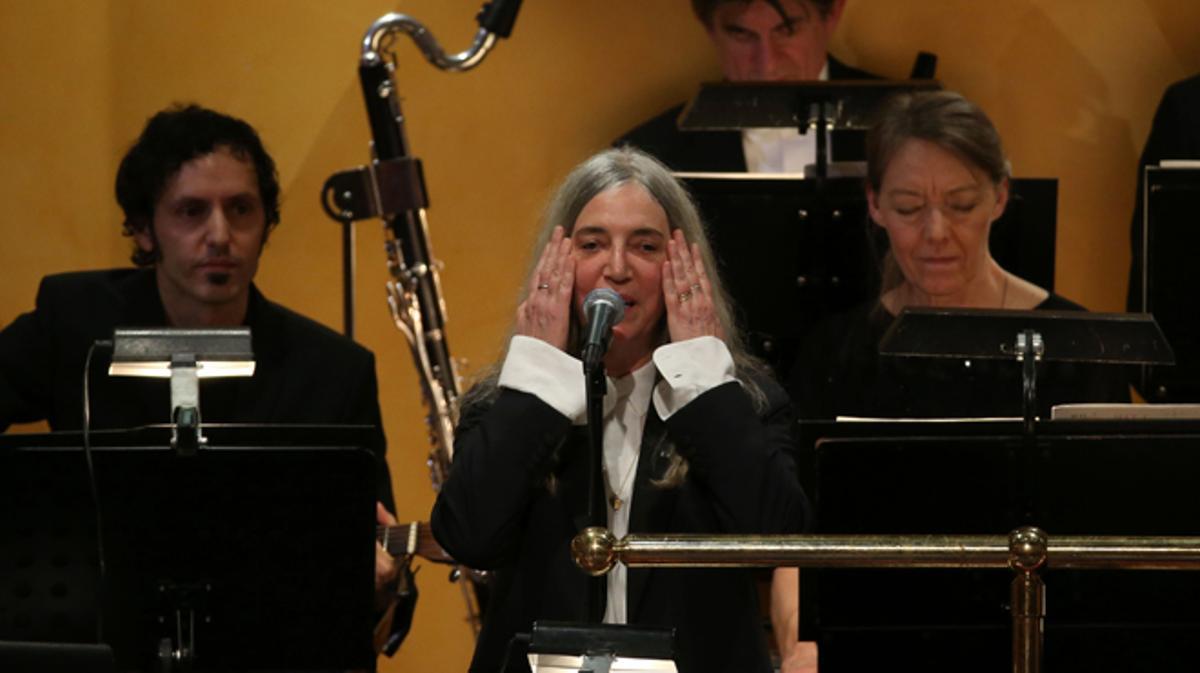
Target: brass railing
x=1026 y=551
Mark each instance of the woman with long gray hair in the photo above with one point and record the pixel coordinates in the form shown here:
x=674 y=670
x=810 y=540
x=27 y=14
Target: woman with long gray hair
x=696 y=440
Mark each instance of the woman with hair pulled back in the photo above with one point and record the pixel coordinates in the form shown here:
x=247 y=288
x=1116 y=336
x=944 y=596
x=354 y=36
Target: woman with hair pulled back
x=696 y=435
x=937 y=180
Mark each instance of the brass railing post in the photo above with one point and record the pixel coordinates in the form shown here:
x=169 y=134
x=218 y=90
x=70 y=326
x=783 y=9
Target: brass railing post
x=594 y=550
x=1027 y=554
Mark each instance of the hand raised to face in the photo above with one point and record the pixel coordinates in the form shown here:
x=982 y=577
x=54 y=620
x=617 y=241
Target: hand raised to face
x=546 y=312
x=687 y=292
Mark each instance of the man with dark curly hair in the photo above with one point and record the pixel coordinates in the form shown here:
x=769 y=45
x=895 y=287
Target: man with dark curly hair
x=200 y=196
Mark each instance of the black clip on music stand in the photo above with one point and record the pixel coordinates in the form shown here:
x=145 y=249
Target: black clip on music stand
x=1027 y=337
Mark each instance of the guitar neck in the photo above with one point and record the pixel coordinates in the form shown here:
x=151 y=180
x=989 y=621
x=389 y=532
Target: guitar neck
x=412 y=539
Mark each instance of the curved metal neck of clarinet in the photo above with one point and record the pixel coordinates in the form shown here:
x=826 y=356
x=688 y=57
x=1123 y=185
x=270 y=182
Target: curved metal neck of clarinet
x=378 y=36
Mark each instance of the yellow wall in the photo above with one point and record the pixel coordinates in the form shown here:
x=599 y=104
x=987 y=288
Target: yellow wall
x=1071 y=84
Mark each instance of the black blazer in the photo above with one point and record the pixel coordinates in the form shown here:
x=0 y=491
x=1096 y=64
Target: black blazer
x=708 y=151
x=498 y=511
x=305 y=372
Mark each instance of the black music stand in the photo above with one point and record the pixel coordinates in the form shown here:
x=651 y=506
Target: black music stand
x=831 y=106
x=784 y=266
x=849 y=104
x=970 y=478
x=1027 y=338
x=1087 y=478
x=1169 y=242
x=256 y=553
x=793 y=251
x=567 y=647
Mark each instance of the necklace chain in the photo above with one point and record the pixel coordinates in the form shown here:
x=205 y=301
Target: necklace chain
x=615 y=500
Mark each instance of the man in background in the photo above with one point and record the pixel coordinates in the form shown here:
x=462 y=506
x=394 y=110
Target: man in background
x=200 y=196
x=755 y=41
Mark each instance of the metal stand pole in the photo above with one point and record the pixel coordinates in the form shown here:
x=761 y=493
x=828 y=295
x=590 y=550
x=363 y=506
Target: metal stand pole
x=1027 y=549
x=348 y=278
x=597 y=386
x=822 y=143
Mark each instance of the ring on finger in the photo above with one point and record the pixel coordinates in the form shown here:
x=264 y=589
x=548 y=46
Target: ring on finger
x=684 y=296
x=695 y=287
x=543 y=286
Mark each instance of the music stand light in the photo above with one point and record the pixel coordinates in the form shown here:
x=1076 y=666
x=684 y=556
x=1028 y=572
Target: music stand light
x=184 y=356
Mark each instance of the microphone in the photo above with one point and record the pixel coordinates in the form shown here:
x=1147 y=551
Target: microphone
x=602 y=308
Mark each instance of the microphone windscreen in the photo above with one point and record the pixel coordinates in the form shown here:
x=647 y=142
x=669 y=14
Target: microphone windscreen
x=603 y=295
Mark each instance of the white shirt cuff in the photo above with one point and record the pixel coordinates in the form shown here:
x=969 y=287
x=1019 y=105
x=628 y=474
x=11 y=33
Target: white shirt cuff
x=689 y=369
x=535 y=367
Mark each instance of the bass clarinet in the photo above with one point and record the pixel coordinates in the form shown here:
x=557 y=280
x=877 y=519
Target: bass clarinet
x=392 y=187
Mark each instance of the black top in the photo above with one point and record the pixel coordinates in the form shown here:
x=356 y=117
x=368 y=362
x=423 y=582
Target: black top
x=840 y=373
x=708 y=151
x=305 y=373
x=500 y=510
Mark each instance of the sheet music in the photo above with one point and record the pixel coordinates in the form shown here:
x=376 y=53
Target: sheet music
x=972 y=419
x=1124 y=411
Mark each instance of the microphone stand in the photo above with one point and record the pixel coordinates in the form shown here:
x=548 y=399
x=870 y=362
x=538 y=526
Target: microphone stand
x=604 y=308
x=597 y=387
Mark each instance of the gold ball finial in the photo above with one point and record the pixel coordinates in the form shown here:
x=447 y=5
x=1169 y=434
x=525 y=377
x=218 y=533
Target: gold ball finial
x=1027 y=548
x=593 y=550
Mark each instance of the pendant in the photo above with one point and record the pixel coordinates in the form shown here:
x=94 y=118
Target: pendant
x=616 y=503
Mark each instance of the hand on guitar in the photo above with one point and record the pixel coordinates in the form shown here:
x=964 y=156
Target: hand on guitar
x=395 y=592
x=386 y=569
